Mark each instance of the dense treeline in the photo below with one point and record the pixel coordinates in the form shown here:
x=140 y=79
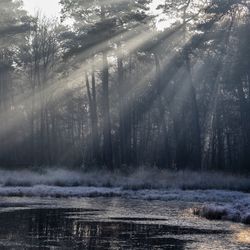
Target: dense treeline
x=129 y=83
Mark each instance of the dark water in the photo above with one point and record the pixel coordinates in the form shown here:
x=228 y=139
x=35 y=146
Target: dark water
x=108 y=223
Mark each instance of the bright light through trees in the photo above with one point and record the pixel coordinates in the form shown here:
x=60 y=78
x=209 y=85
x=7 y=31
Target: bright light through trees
x=162 y=83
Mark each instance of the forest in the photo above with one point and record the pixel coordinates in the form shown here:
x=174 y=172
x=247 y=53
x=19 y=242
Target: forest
x=126 y=83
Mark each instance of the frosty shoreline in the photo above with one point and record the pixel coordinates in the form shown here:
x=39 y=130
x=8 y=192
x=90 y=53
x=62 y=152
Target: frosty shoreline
x=236 y=212
x=220 y=195
x=217 y=204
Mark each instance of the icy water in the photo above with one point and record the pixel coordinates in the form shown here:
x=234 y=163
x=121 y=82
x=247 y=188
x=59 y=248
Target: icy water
x=112 y=223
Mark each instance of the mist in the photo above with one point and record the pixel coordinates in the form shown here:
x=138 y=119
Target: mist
x=119 y=107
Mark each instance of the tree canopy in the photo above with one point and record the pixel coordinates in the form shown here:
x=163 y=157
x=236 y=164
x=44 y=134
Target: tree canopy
x=129 y=83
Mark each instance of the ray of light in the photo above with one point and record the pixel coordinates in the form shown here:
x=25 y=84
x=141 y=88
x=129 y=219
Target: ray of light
x=213 y=104
x=131 y=44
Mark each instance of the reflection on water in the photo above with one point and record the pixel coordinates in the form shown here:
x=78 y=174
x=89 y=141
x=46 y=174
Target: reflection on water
x=243 y=236
x=88 y=228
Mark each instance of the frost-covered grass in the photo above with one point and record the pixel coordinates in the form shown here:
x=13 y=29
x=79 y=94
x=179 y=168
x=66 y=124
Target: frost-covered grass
x=217 y=204
x=219 y=194
x=238 y=211
x=142 y=178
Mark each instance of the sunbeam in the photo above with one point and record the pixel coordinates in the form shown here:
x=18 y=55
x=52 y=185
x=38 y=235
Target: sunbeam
x=124 y=124
x=135 y=68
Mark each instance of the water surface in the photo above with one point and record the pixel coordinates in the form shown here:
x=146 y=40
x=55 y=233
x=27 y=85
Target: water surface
x=112 y=223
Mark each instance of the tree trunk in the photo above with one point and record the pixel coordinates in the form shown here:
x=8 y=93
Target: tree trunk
x=107 y=140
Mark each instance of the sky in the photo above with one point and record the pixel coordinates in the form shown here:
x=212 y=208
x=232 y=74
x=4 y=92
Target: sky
x=50 y=8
